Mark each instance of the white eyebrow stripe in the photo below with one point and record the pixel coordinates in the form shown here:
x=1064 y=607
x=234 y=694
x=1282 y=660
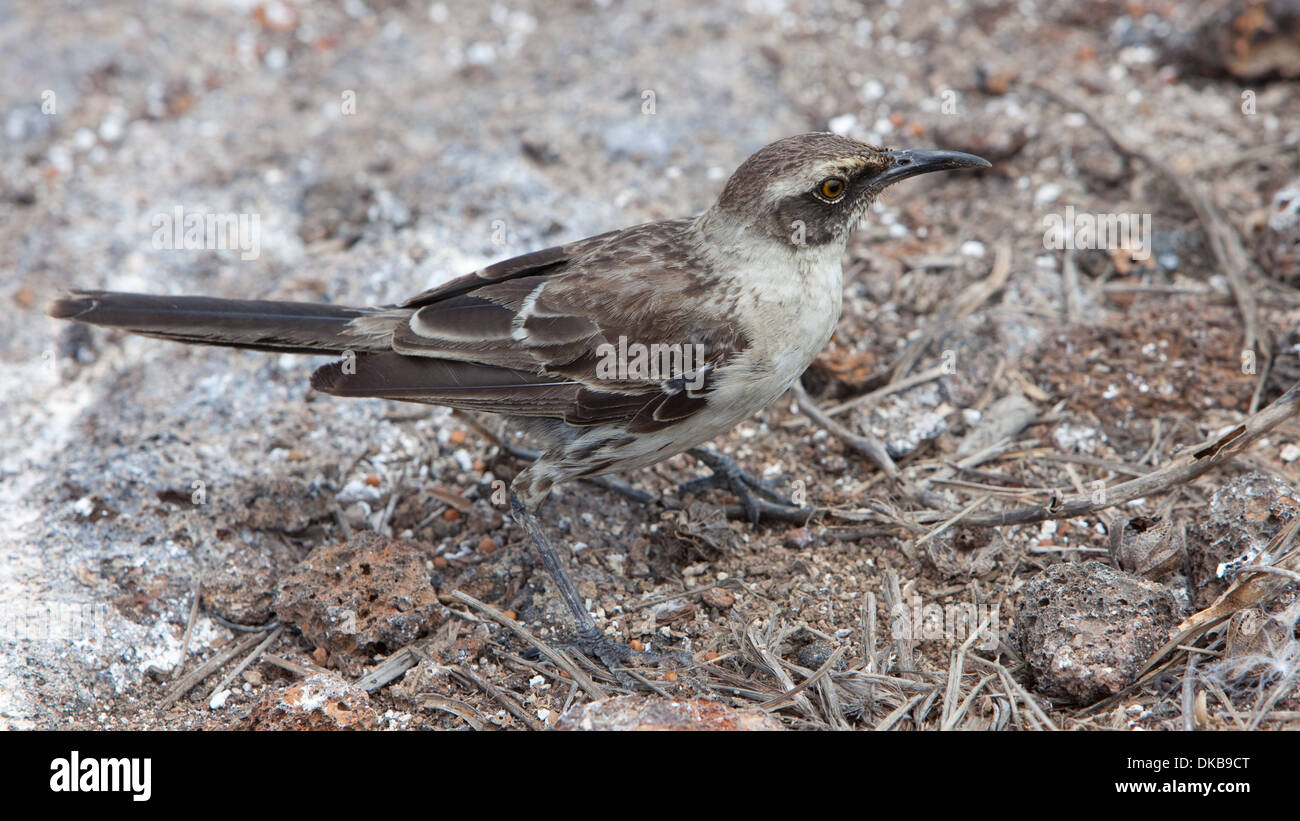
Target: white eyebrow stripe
x=780 y=188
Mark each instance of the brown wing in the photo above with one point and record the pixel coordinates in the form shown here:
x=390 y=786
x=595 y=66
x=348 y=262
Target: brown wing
x=535 y=262
x=540 y=334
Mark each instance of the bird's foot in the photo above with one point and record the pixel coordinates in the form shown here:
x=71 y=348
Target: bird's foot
x=591 y=641
x=757 y=497
x=616 y=656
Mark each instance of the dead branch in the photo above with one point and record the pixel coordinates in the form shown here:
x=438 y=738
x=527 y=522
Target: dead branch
x=1181 y=470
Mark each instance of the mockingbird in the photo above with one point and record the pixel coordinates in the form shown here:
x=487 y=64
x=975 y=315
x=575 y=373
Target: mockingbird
x=620 y=350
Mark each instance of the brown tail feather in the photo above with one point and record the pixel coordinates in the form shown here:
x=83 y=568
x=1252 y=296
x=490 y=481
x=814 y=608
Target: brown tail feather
x=455 y=384
x=287 y=327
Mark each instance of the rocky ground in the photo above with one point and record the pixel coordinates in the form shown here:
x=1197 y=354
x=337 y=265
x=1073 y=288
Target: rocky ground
x=384 y=147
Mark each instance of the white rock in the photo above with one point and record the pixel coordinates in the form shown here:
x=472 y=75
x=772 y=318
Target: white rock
x=480 y=54
x=83 y=139
x=1047 y=192
x=843 y=124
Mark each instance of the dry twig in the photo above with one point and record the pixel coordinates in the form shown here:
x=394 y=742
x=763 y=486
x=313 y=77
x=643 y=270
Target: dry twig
x=557 y=657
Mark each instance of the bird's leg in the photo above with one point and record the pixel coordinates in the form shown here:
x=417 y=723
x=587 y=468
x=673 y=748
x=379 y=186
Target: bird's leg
x=774 y=505
x=614 y=655
x=606 y=482
x=757 y=496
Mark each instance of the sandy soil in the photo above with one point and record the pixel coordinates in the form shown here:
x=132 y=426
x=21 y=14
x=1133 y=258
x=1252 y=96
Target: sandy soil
x=384 y=147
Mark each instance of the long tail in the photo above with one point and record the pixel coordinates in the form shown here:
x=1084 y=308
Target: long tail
x=263 y=325
x=314 y=328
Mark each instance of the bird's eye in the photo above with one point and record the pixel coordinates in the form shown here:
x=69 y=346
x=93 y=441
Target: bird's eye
x=831 y=188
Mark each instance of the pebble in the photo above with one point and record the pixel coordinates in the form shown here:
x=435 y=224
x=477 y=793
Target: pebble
x=843 y=124
x=1046 y=193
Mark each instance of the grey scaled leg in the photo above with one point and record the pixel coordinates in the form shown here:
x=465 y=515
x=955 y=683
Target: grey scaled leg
x=758 y=497
x=591 y=640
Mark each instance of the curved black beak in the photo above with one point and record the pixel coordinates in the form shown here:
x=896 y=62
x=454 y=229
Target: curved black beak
x=910 y=162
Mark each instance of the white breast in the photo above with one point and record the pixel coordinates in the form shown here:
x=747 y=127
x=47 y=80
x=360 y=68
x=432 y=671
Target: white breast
x=791 y=300
x=794 y=307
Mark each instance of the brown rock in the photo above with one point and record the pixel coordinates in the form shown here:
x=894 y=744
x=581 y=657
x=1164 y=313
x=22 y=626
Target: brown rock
x=322 y=702
x=1243 y=516
x=1278 y=241
x=365 y=596
x=335 y=209
x=719 y=597
x=798 y=538
x=1086 y=629
x=1248 y=40
x=652 y=713
x=284 y=505
x=242 y=588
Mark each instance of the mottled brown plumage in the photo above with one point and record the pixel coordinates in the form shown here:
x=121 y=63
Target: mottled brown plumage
x=751 y=288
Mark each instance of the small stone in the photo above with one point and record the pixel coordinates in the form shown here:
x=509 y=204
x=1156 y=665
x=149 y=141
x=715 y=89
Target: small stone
x=1278 y=242
x=654 y=713
x=1148 y=546
x=843 y=124
x=1047 y=193
x=321 y=702
x=814 y=655
x=798 y=538
x=242 y=589
x=719 y=598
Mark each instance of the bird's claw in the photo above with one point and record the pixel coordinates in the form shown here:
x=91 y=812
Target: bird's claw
x=615 y=655
x=756 y=496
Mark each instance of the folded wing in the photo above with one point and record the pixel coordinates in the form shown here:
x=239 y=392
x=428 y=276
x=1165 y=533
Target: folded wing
x=535 y=336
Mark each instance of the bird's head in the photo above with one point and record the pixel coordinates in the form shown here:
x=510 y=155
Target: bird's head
x=811 y=189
